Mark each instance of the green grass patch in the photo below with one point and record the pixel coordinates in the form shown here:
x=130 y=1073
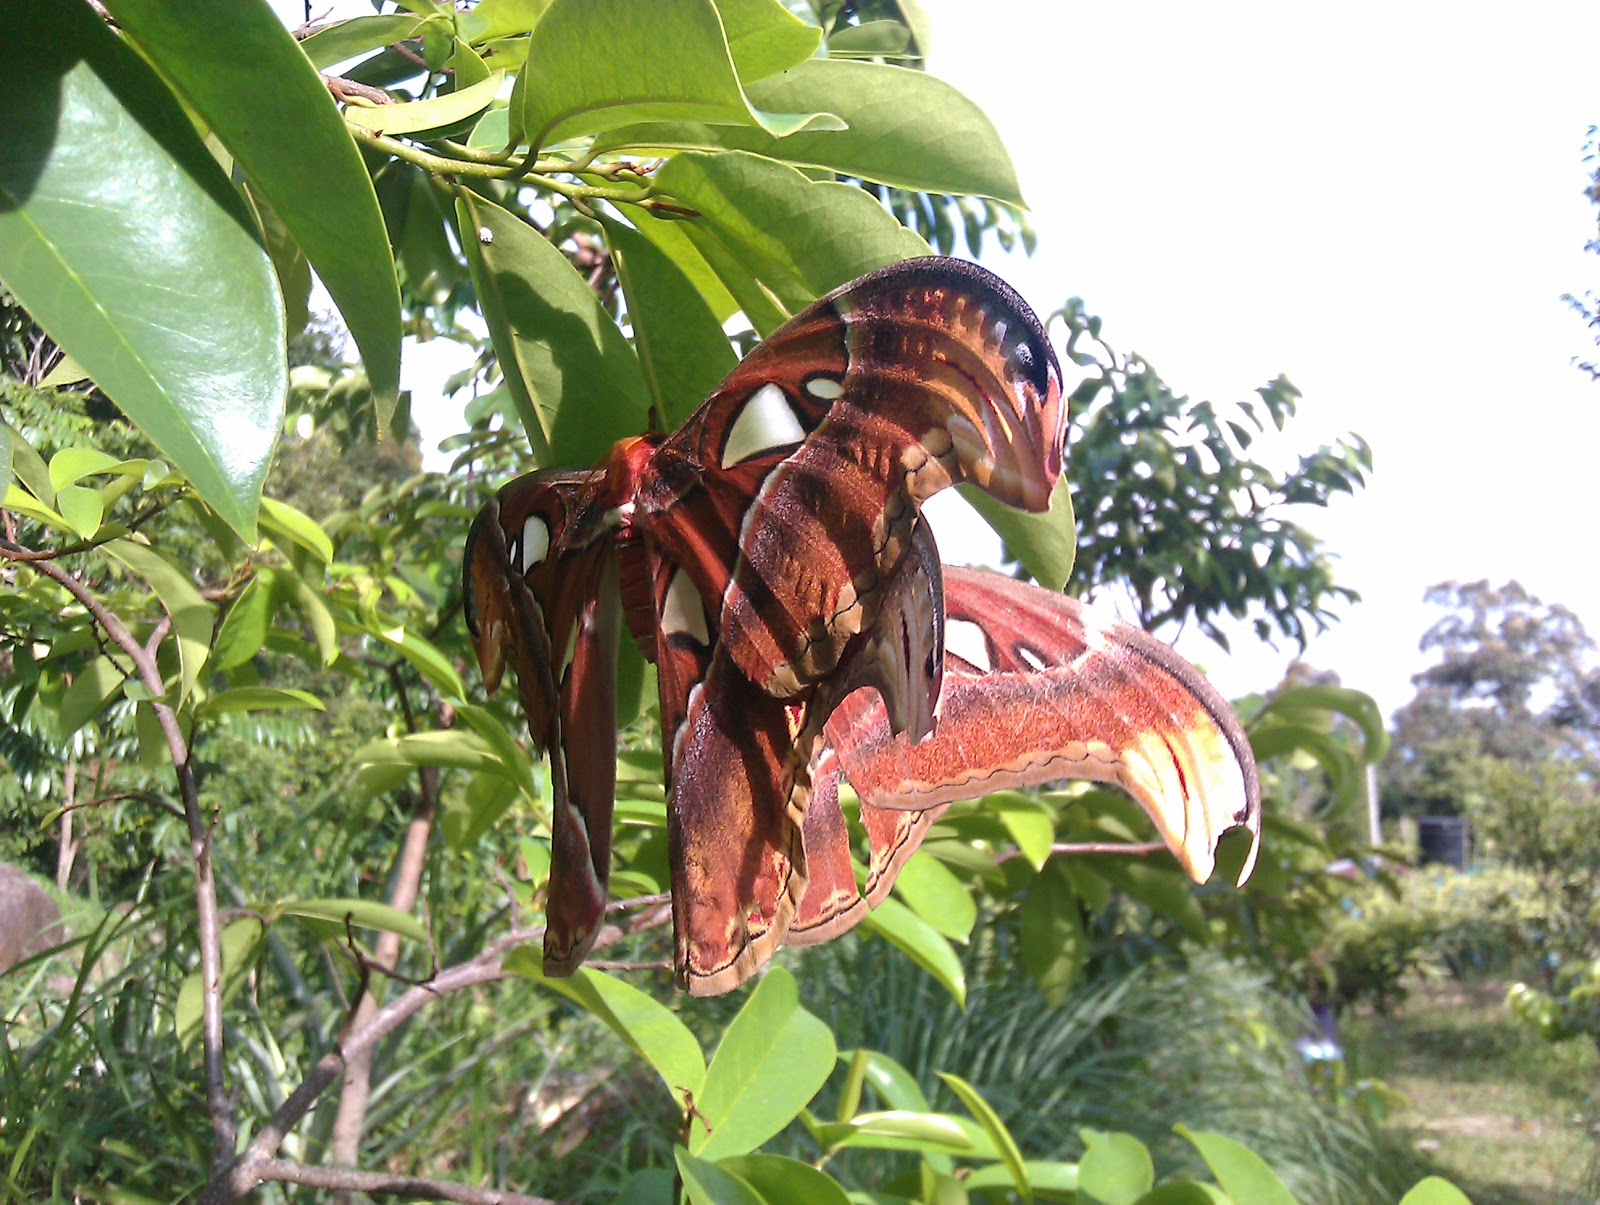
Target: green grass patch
x=1490 y=1104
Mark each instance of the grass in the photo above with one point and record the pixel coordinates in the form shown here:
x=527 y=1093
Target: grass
x=1504 y=1114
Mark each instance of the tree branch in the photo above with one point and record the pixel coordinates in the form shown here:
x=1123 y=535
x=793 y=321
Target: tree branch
x=1142 y=850
x=488 y=967
x=409 y=1187
x=218 y=1104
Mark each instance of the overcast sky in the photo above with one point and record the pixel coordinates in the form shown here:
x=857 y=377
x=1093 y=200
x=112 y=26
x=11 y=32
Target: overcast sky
x=1383 y=205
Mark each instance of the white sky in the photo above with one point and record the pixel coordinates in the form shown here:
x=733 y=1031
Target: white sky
x=1382 y=202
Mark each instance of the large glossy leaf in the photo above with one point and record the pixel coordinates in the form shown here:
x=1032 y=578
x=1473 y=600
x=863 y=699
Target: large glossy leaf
x=594 y=65
x=123 y=238
x=649 y=1028
x=1354 y=704
x=772 y=1060
x=680 y=343
x=577 y=383
x=300 y=157
x=906 y=128
x=1243 y=1174
x=798 y=237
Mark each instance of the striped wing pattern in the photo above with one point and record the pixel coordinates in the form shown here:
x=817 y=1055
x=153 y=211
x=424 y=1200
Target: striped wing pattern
x=770 y=559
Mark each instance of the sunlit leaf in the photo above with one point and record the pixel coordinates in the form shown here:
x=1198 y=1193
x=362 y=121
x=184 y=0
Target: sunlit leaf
x=435 y=113
x=241 y=940
x=706 y=1183
x=934 y=893
x=262 y=698
x=368 y=914
x=302 y=159
x=1242 y=1174
x=151 y=276
x=994 y=1127
x=1046 y=544
x=192 y=616
x=903 y=928
x=772 y=1060
x=575 y=379
x=1116 y=1168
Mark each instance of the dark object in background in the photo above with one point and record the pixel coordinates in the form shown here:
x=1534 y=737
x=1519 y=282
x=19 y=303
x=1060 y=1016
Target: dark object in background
x=29 y=919
x=1444 y=839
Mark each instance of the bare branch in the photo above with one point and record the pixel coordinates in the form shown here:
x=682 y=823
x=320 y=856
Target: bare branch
x=218 y=1103
x=1143 y=850
x=487 y=967
x=409 y=1187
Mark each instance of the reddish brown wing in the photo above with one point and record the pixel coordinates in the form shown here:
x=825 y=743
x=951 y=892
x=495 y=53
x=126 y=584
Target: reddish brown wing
x=1039 y=688
x=791 y=495
x=550 y=609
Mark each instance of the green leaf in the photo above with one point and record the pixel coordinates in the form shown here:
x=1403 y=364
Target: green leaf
x=772 y=1060
x=650 y=1029
x=786 y=1180
x=1053 y=943
x=932 y=1134
x=870 y=38
x=707 y=1184
x=1165 y=892
x=245 y=627
x=368 y=914
x=6 y=435
x=903 y=928
x=435 y=113
x=765 y=38
x=798 y=237
x=1186 y=1192
x=1030 y=823
x=1116 y=1168
x=576 y=381
x=671 y=238
x=1434 y=1190
x=29 y=467
x=150 y=275
x=66 y=372
x=467 y=816
x=994 y=1127
x=286 y=524
x=324 y=629
x=594 y=65
x=192 y=616
x=1354 y=704
x=81 y=507
x=241 y=941
x=1050 y=1181
x=302 y=159
x=894 y=1085
x=423 y=654
x=261 y=698
x=448 y=747
x=1046 y=544
x=361 y=35
x=907 y=129
x=94 y=685
x=680 y=342
x=494 y=19
x=1243 y=1174
x=513 y=758
x=71 y=465
x=934 y=893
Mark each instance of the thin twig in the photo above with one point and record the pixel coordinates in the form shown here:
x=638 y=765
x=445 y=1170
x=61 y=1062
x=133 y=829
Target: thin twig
x=123 y=796
x=409 y=1187
x=1142 y=850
